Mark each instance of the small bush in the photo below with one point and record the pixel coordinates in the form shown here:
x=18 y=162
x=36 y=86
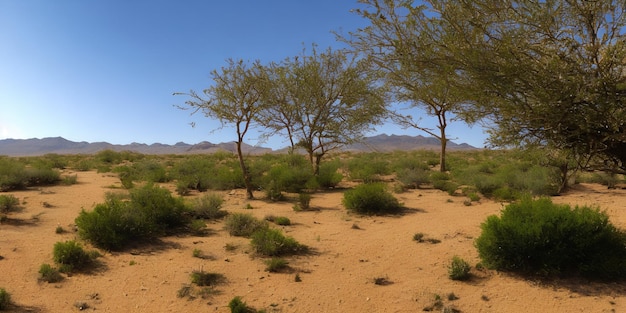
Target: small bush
x=202 y=278
x=208 y=206
x=69 y=180
x=541 y=238
x=198 y=227
x=5 y=299
x=70 y=254
x=275 y=265
x=271 y=242
x=304 y=202
x=236 y=305
x=459 y=269
x=8 y=203
x=372 y=198
x=243 y=225
x=49 y=274
x=278 y=220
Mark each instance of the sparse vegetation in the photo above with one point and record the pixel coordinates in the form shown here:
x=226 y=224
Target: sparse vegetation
x=274 y=265
x=208 y=206
x=9 y=203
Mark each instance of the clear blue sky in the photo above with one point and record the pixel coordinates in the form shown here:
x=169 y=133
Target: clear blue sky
x=105 y=70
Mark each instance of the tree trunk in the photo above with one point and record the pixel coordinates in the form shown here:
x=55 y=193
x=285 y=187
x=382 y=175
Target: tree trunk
x=442 y=156
x=316 y=167
x=246 y=174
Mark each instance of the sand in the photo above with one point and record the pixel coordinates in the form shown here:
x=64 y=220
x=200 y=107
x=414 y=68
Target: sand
x=348 y=253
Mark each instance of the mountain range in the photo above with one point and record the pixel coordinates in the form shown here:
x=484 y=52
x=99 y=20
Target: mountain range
x=60 y=145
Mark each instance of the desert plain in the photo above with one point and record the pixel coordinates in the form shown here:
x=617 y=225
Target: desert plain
x=348 y=254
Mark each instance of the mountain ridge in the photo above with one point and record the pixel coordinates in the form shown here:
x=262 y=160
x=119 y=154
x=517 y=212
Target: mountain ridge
x=60 y=145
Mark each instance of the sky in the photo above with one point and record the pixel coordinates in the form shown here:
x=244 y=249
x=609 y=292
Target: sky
x=106 y=70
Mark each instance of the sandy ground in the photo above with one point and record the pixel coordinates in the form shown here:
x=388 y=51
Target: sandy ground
x=349 y=252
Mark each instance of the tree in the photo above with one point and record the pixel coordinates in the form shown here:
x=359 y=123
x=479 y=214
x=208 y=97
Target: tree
x=404 y=44
x=546 y=73
x=324 y=101
x=233 y=99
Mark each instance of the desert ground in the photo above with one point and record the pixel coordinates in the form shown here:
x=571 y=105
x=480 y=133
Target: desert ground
x=348 y=252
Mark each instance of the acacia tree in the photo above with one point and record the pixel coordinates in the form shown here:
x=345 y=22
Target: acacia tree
x=233 y=99
x=404 y=44
x=552 y=72
x=324 y=100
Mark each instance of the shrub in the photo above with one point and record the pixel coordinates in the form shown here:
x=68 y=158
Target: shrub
x=271 y=242
x=541 y=238
x=149 y=212
x=8 y=203
x=236 y=305
x=278 y=220
x=328 y=176
x=413 y=177
x=275 y=265
x=304 y=202
x=70 y=254
x=368 y=167
x=5 y=299
x=49 y=274
x=371 y=198
x=202 y=278
x=243 y=225
x=459 y=269
x=208 y=206
x=70 y=180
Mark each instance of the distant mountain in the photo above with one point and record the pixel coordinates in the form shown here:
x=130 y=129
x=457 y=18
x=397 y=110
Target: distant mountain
x=60 y=145
x=389 y=143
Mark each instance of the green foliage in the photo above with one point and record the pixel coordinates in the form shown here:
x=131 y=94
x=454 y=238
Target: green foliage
x=459 y=269
x=368 y=167
x=5 y=299
x=71 y=254
x=49 y=274
x=69 y=180
x=271 y=242
x=275 y=265
x=236 y=305
x=243 y=225
x=208 y=206
x=329 y=177
x=202 y=278
x=304 y=202
x=8 y=203
x=371 y=198
x=149 y=212
x=278 y=220
x=542 y=238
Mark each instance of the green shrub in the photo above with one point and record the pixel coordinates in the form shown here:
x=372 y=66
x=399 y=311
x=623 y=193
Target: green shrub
x=236 y=305
x=368 y=167
x=328 y=176
x=71 y=254
x=5 y=299
x=49 y=274
x=8 y=203
x=278 y=220
x=304 y=202
x=275 y=265
x=541 y=238
x=272 y=242
x=243 y=225
x=371 y=198
x=208 y=206
x=69 y=180
x=202 y=278
x=413 y=177
x=149 y=212
x=459 y=269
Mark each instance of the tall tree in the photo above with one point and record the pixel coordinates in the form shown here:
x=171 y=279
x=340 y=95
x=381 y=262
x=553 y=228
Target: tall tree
x=233 y=99
x=404 y=44
x=550 y=73
x=325 y=100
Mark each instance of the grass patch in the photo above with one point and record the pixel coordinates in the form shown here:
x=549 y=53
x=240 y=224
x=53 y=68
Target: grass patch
x=243 y=225
x=271 y=242
x=275 y=265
